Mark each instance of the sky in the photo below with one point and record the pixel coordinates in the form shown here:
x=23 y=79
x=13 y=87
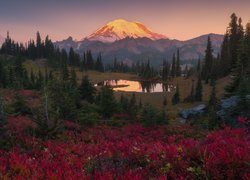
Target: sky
x=177 y=19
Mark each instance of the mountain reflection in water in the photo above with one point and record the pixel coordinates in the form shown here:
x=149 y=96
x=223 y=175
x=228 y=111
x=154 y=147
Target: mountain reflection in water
x=137 y=86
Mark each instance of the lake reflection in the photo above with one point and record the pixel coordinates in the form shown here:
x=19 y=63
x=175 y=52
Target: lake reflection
x=137 y=86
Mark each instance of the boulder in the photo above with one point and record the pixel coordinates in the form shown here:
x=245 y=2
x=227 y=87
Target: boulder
x=226 y=105
x=192 y=112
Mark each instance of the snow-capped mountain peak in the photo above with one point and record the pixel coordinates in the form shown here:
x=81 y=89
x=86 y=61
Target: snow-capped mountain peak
x=120 y=29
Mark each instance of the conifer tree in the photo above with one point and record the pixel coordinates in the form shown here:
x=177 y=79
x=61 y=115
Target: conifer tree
x=32 y=79
x=140 y=104
x=212 y=99
x=206 y=70
x=3 y=78
x=38 y=45
x=99 y=65
x=106 y=102
x=165 y=102
x=87 y=90
x=191 y=96
x=165 y=70
x=235 y=34
x=198 y=91
x=20 y=105
x=225 y=64
x=176 y=97
x=89 y=60
x=173 y=67
x=198 y=66
x=4 y=138
x=178 y=66
x=186 y=71
x=73 y=78
x=133 y=105
x=240 y=71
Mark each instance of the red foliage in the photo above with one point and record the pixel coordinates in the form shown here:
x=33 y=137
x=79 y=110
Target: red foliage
x=18 y=124
x=131 y=152
x=122 y=116
x=26 y=93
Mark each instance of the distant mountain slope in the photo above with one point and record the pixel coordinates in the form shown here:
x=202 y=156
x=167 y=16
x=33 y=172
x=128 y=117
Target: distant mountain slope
x=133 y=49
x=133 y=41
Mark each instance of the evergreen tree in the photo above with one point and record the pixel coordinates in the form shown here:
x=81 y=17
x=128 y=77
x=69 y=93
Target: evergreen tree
x=247 y=38
x=178 y=66
x=173 y=67
x=241 y=70
x=191 y=96
x=106 y=102
x=71 y=56
x=124 y=104
x=49 y=47
x=212 y=103
x=64 y=65
x=165 y=102
x=20 y=105
x=99 y=65
x=199 y=66
x=3 y=78
x=63 y=98
x=162 y=117
x=73 y=78
x=32 y=79
x=235 y=36
x=186 y=71
x=206 y=70
x=47 y=119
x=89 y=60
x=10 y=77
x=140 y=104
x=4 y=139
x=165 y=70
x=176 y=97
x=87 y=90
x=149 y=116
x=39 y=46
x=39 y=80
x=133 y=105
x=18 y=73
x=198 y=91
x=225 y=64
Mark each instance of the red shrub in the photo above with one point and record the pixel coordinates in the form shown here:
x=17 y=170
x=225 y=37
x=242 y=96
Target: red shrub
x=130 y=152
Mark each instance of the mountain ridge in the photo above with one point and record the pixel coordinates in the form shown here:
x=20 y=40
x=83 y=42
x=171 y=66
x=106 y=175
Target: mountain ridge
x=134 y=49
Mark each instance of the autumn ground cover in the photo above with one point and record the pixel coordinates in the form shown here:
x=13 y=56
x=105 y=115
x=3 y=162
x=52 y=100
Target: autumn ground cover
x=128 y=152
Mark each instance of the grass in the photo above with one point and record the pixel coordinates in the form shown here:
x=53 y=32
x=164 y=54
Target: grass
x=36 y=65
x=155 y=99
x=96 y=77
x=185 y=85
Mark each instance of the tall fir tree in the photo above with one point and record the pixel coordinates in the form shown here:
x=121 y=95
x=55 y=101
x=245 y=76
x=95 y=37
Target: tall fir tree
x=106 y=102
x=87 y=90
x=198 y=69
x=206 y=70
x=198 y=90
x=176 y=96
x=225 y=64
x=178 y=66
x=173 y=67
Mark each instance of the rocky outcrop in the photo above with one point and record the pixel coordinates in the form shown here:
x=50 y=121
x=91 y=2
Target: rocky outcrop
x=192 y=112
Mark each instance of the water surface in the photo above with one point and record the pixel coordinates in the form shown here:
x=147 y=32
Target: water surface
x=137 y=86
